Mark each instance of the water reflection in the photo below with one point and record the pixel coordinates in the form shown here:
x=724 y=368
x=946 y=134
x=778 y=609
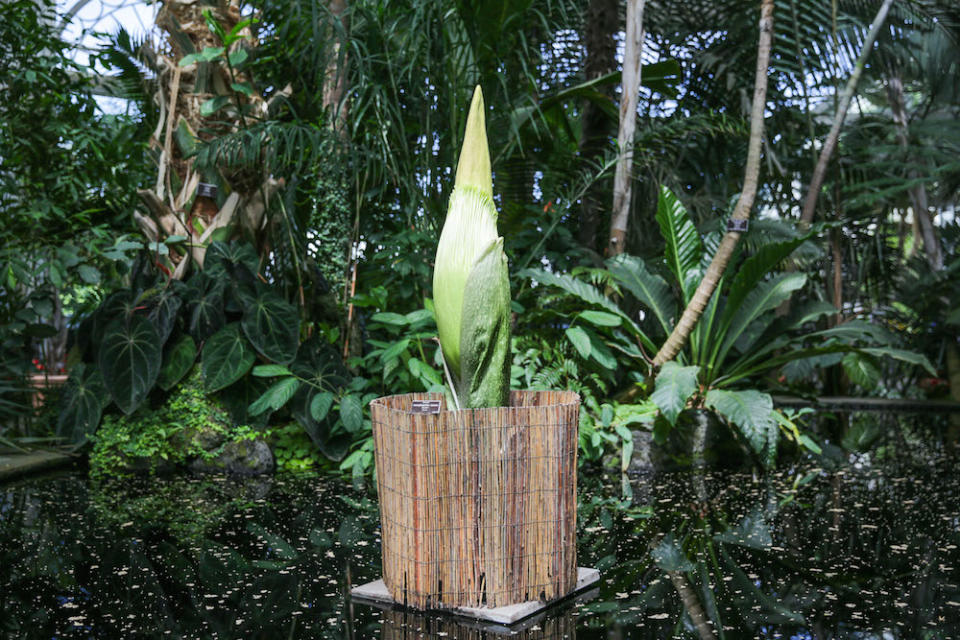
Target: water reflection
x=408 y=625
x=808 y=553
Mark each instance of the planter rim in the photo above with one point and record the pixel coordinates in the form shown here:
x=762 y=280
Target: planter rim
x=400 y=403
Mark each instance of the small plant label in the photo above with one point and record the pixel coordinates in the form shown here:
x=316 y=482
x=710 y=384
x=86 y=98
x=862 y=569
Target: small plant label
x=740 y=226
x=425 y=406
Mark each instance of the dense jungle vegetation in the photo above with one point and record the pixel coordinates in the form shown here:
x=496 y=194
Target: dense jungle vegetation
x=251 y=233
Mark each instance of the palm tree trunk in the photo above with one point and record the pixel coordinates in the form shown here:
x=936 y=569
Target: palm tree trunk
x=595 y=125
x=681 y=332
x=622 y=187
x=918 y=192
x=335 y=83
x=819 y=173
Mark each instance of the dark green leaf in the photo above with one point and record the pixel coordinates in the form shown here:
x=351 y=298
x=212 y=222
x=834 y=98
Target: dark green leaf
x=227 y=357
x=351 y=412
x=84 y=397
x=129 y=358
x=273 y=325
x=179 y=360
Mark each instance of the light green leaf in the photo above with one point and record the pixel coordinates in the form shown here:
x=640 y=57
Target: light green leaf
x=320 y=405
x=388 y=317
x=600 y=318
x=211 y=106
x=767 y=296
x=276 y=396
x=649 y=289
x=683 y=247
x=580 y=340
x=238 y=57
x=270 y=370
x=674 y=386
x=861 y=369
x=903 y=355
x=752 y=413
x=351 y=412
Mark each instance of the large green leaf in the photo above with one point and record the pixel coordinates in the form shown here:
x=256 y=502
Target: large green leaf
x=589 y=294
x=683 y=248
x=163 y=303
x=766 y=296
x=674 y=386
x=225 y=256
x=753 y=270
x=579 y=339
x=177 y=362
x=129 y=359
x=227 y=356
x=81 y=403
x=273 y=325
x=205 y=295
x=651 y=290
x=351 y=412
x=862 y=369
x=903 y=355
x=276 y=396
x=238 y=397
x=752 y=413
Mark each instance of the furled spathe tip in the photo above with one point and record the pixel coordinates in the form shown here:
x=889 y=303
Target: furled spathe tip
x=473 y=168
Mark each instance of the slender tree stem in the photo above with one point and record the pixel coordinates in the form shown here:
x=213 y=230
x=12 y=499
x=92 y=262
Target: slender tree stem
x=622 y=188
x=819 y=173
x=701 y=297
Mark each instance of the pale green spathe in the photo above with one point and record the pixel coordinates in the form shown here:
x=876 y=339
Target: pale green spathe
x=471 y=290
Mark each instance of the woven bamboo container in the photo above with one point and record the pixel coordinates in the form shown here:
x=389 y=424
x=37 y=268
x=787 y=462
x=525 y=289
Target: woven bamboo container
x=478 y=507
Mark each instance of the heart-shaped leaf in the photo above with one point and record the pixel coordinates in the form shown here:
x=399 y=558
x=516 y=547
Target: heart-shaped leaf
x=273 y=326
x=81 y=404
x=179 y=359
x=227 y=356
x=129 y=358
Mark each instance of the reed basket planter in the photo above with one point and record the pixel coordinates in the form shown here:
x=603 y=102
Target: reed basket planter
x=478 y=507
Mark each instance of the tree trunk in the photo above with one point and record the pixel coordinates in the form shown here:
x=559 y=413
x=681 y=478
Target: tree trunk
x=820 y=171
x=918 y=192
x=622 y=188
x=179 y=204
x=600 y=27
x=335 y=82
x=681 y=332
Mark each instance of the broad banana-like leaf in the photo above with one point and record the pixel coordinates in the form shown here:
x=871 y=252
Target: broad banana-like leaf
x=683 y=248
x=485 y=334
x=650 y=289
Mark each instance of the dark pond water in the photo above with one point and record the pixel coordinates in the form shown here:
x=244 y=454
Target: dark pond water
x=857 y=551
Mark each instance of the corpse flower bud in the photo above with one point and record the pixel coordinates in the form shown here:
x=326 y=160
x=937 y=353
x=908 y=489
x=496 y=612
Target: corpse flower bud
x=471 y=288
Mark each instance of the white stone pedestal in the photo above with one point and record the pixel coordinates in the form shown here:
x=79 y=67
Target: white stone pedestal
x=376 y=593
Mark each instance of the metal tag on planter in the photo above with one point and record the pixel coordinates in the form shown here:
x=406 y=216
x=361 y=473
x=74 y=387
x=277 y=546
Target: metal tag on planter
x=740 y=226
x=425 y=406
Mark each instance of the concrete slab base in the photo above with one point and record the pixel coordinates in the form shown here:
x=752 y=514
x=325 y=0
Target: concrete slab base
x=376 y=593
x=20 y=464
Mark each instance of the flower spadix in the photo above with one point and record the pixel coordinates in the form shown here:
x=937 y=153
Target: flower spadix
x=471 y=287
